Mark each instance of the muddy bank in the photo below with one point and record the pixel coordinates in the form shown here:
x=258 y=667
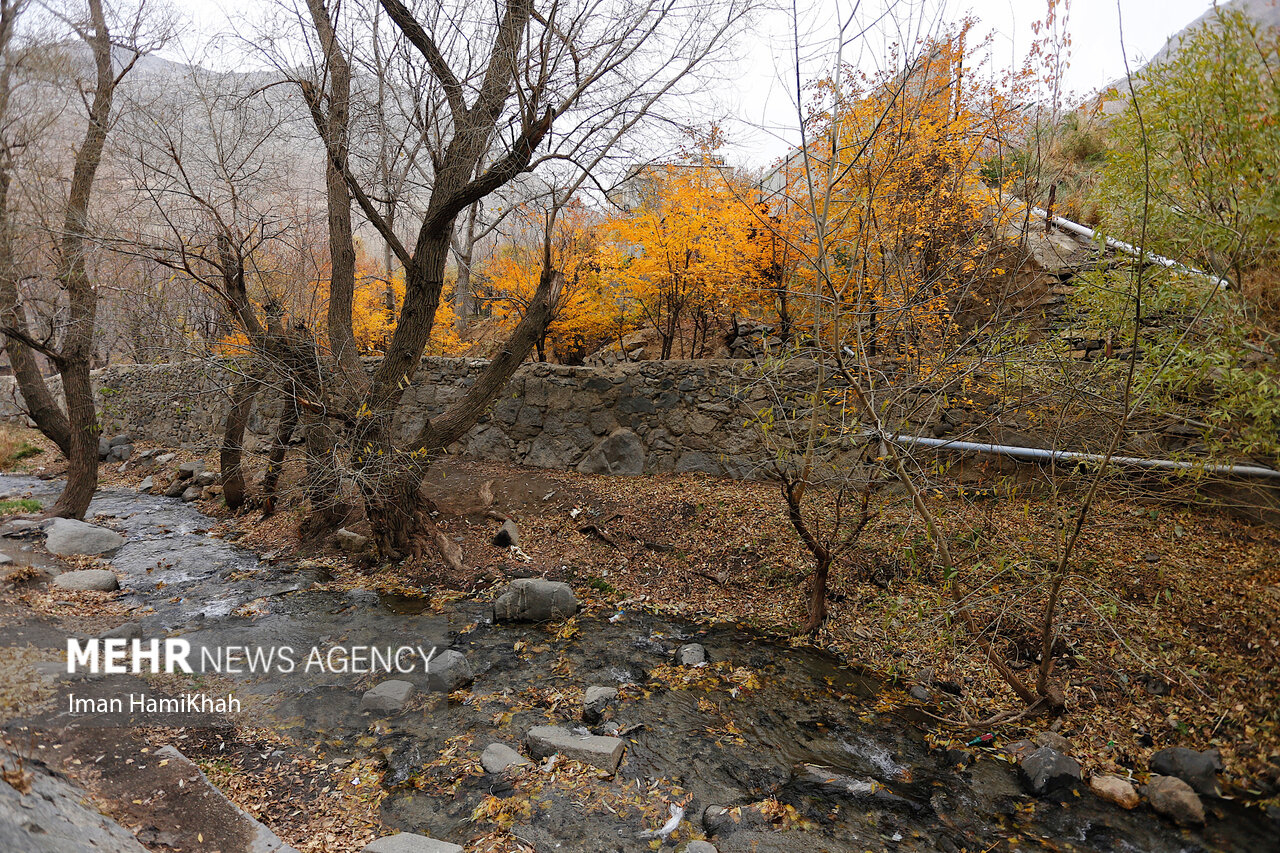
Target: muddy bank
x=830 y=758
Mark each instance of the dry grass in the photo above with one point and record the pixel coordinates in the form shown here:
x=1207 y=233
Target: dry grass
x=22 y=449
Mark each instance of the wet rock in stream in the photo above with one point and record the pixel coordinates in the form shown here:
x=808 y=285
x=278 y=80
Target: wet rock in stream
x=389 y=696
x=97 y=580
x=449 y=671
x=596 y=750
x=535 y=600
x=498 y=757
x=1046 y=771
x=595 y=701
x=68 y=537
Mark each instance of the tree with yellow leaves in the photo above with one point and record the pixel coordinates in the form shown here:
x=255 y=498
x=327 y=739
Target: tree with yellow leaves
x=585 y=314
x=679 y=254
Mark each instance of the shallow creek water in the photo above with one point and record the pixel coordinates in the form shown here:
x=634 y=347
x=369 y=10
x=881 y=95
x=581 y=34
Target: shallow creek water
x=881 y=786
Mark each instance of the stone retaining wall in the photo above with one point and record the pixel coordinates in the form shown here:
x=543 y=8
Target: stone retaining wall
x=624 y=419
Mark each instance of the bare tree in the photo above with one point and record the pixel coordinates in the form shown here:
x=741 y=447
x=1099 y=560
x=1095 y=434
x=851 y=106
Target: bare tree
x=222 y=213
x=76 y=429
x=492 y=92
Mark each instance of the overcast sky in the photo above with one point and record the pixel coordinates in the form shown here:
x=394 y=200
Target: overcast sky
x=758 y=91
x=764 y=99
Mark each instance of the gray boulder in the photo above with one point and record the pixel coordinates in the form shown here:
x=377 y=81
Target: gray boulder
x=508 y=535
x=1197 y=769
x=408 y=842
x=191 y=493
x=94 y=580
x=5 y=559
x=621 y=454
x=602 y=752
x=205 y=478
x=104 y=449
x=188 y=470
x=166 y=458
x=596 y=700
x=535 y=600
x=1046 y=770
x=389 y=696
x=448 y=671
x=67 y=537
x=120 y=440
x=147 y=484
x=498 y=757
x=691 y=654
x=349 y=541
x=120 y=453
x=176 y=488
x=1175 y=799
x=700 y=847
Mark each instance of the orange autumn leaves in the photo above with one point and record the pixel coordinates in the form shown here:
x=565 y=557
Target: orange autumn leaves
x=871 y=243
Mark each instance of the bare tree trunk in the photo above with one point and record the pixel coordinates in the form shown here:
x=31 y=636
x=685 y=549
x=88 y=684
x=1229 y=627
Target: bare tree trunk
x=39 y=401
x=82 y=462
x=82 y=299
x=230 y=457
x=324 y=486
x=390 y=484
x=465 y=255
x=333 y=124
x=279 y=449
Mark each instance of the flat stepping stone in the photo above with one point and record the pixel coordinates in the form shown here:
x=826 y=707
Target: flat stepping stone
x=94 y=580
x=596 y=750
x=388 y=696
x=408 y=842
x=497 y=757
x=68 y=537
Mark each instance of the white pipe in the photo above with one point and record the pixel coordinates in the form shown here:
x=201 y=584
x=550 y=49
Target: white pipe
x=1090 y=234
x=1073 y=456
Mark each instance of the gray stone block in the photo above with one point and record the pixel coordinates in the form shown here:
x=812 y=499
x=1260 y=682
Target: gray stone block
x=408 y=842
x=602 y=752
x=389 y=696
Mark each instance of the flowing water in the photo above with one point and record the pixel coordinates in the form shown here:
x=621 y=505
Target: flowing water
x=792 y=725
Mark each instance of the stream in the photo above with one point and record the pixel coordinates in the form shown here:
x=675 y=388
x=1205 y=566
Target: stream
x=880 y=787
